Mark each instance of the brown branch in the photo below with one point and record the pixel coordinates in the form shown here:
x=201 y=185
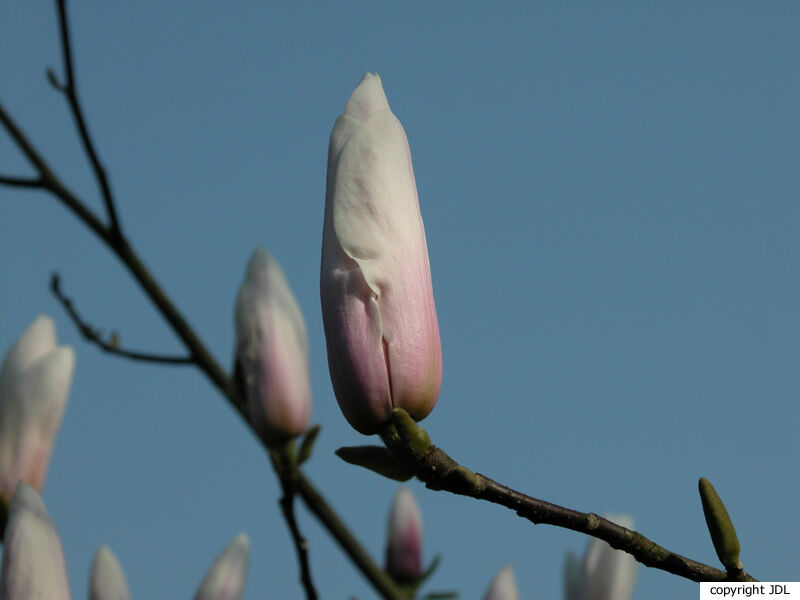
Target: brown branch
x=120 y=246
x=93 y=335
x=411 y=445
x=285 y=464
x=326 y=515
x=70 y=90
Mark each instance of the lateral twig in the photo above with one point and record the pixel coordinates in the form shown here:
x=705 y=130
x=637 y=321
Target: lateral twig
x=93 y=335
x=28 y=182
x=70 y=90
x=125 y=252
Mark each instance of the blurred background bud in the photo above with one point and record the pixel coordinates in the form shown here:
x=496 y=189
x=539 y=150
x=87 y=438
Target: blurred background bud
x=225 y=579
x=33 y=561
x=604 y=574
x=107 y=580
x=404 y=544
x=503 y=586
x=272 y=351
x=34 y=384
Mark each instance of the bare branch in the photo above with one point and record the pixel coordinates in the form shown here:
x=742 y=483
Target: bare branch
x=22 y=141
x=284 y=462
x=70 y=90
x=120 y=246
x=28 y=182
x=326 y=515
x=411 y=445
x=93 y=335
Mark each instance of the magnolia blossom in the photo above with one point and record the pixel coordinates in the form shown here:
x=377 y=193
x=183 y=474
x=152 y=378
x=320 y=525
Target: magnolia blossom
x=605 y=574
x=503 y=586
x=272 y=351
x=34 y=384
x=380 y=320
x=33 y=560
x=225 y=579
x=404 y=543
x=107 y=581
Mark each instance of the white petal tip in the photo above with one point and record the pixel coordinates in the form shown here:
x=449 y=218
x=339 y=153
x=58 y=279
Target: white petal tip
x=107 y=579
x=504 y=586
x=367 y=99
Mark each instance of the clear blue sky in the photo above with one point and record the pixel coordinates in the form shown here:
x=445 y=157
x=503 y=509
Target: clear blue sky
x=611 y=202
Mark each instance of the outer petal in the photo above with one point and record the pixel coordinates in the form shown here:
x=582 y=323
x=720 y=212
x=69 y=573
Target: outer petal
x=33 y=561
x=377 y=300
x=404 y=545
x=225 y=579
x=503 y=586
x=36 y=341
x=34 y=385
x=272 y=351
x=107 y=581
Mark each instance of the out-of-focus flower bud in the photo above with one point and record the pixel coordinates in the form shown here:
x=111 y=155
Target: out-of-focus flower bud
x=225 y=579
x=33 y=560
x=503 y=586
x=404 y=545
x=34 y=384
x=380 y=320
x=107 y=581
x=272 y=351
x=605 y=574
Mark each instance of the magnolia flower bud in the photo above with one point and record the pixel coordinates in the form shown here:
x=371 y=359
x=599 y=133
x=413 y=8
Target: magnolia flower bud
x=107 y=581
x=606 y=574
x=503 y=586
x=404 y=545
x=377 y=300
x=34 y=383
x=225 y=579
x=272 y=351
x=33 y=560
x=720 y=526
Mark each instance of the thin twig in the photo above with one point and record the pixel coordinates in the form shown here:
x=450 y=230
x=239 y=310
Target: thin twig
x=27 y=182
x=27 y=148
x=70 y=89
x=92 y=334
x=326 y=515
x=122 y=248
x=284 y=463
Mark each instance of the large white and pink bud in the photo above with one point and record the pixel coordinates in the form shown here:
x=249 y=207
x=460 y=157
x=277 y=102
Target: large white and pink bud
x=404 y=539
x=107 y=580
x=272 y=351
x=380 y=320
x=503 y=586
x=34 y=384
x=224 y=580
x=605 y=573
x=33 y=559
